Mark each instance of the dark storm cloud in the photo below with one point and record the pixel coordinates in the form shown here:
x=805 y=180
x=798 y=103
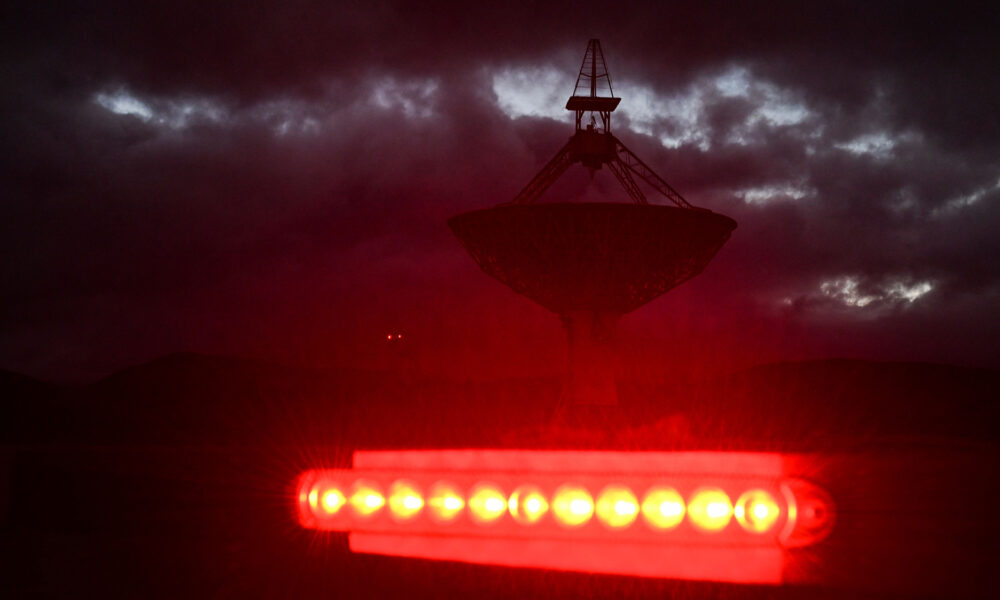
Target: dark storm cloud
x=274 y=179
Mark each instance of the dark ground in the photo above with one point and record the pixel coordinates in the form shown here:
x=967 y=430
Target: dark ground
x=172 y=479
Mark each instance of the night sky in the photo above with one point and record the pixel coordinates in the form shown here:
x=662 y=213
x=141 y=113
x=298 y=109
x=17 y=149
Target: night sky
x=273 y=181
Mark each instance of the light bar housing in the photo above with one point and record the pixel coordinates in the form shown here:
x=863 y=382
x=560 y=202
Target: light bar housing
x=726 y=516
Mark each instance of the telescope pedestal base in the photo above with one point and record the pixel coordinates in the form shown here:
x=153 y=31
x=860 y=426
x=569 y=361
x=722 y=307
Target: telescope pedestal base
x=592 y=358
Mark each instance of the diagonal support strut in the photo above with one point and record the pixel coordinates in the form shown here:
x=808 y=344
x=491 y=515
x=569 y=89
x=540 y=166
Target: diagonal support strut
x=547 y=176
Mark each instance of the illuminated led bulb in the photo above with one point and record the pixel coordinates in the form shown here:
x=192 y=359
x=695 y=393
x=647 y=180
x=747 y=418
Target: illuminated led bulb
x=756 y=511
x=572 y=505
x=332 y=500
x=709 y=509
x=444 y=502
x=405 y=501
x=663 y=508
x=487 y=503
x=527 y=504
x=617 y=506
x=366 y=498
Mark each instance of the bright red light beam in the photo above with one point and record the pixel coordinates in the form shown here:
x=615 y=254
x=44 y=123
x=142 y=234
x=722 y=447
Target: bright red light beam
x=720 y=516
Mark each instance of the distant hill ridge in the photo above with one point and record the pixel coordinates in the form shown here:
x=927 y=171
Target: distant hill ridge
x=194 y=398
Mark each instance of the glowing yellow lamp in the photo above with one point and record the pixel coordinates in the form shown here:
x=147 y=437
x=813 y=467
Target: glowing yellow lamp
x=487 y=503
x=756 y=511
x=445 y=502
x=663 y=508
x=710 y=509
x=333 y=500
x=572 y=505
x=405 y=501
x=617 y=506
x=527 y=504
x=366 y=499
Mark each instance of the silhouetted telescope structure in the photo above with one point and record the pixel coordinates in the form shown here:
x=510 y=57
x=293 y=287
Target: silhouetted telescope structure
x=591 y=262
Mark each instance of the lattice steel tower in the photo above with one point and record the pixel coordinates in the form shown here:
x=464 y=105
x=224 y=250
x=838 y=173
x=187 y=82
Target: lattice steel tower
x=590 y=263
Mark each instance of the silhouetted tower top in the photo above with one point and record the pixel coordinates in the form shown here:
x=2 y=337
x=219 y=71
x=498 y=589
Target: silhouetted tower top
x=593 y=70
x=593 y=262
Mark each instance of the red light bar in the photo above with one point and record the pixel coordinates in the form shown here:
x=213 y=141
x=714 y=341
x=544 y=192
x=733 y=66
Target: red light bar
x=722 y=516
